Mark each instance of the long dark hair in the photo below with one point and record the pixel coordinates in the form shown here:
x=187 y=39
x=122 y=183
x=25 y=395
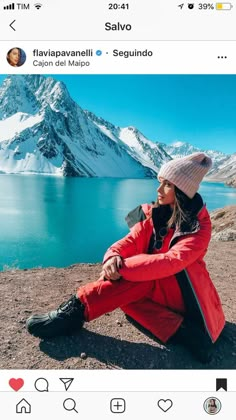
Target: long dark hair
x=183 y=217
x=9 y=52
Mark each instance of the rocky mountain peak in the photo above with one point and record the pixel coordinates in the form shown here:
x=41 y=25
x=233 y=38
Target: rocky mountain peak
x=31 y=93
x=100 y=121
x=17 y=96
x=43 y=130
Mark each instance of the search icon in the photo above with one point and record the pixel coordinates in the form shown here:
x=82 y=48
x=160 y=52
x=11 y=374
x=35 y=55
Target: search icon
x=69 y=404
x=41 y=385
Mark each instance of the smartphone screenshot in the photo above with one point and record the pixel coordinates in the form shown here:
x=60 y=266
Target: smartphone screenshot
x=117 y=209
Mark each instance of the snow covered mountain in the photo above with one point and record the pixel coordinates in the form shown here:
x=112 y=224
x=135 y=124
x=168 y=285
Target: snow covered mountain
x=42 y=130
x=148 y=153
x=179 y=149
x=223 y=168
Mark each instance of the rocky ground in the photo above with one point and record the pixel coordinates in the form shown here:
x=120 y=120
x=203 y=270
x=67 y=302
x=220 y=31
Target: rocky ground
x=224 y=224
x=110 y=342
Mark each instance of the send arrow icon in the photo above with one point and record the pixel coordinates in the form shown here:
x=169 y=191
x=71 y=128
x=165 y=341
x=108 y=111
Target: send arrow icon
x=67 y=382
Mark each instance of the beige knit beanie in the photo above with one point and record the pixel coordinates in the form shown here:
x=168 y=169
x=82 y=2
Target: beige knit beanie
x=186 y=172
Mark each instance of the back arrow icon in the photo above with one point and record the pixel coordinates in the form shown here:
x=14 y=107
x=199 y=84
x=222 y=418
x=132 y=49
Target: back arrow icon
x=12 y=24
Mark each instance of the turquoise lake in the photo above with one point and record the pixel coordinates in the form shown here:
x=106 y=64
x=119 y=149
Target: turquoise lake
x=48 y=221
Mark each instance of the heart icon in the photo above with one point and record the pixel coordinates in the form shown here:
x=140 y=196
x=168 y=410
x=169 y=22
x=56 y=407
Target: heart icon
x=165 y=405
x=16 y=384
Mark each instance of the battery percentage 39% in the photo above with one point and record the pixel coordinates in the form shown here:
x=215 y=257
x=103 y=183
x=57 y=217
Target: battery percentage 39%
x=206 y=6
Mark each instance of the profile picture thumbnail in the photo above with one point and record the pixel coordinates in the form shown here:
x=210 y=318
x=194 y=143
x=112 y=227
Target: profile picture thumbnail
x=16 y=57
x=212 y=405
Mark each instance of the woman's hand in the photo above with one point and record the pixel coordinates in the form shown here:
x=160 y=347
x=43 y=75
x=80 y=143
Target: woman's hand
x=110 y=270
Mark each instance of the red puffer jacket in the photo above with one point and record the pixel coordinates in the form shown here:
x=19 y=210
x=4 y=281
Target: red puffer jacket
x=179 y=262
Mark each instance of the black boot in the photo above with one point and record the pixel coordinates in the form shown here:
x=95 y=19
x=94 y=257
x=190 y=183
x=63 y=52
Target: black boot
x=196 y=340
x=65 y=320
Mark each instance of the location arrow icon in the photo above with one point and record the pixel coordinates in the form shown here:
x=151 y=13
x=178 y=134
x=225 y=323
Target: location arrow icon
x=66 y=382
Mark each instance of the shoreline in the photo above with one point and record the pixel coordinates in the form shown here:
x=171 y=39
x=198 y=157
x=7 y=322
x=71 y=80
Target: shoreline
x=223 y=229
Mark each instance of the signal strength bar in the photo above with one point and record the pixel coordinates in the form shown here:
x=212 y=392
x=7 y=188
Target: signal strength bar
x=10 y=6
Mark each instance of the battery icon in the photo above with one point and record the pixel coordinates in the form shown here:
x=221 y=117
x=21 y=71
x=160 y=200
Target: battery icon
x=224 y=6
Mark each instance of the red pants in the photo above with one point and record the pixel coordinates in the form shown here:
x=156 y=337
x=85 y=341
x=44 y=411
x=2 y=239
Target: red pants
x=136 y=300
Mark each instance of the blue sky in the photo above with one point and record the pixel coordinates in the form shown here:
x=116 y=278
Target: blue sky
x=198 y=109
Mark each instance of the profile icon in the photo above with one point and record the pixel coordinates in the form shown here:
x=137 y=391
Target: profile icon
x=212 y=405
x=16 y=57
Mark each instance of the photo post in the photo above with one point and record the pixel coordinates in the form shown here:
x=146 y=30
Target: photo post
x=117 y=211
x=70 y=175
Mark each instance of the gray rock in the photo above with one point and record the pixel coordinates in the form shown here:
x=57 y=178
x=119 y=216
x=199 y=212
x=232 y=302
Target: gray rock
x=225 y=235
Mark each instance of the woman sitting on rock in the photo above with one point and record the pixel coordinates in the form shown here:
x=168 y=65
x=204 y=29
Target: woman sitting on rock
x=156 y=273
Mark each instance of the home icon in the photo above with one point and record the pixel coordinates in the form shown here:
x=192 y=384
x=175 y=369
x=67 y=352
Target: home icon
x=23 y=407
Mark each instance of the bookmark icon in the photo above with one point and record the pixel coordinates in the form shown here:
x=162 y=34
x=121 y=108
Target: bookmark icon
x=221 y=384
x=66 y=382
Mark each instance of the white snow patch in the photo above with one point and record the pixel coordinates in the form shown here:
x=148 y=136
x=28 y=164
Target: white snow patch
x=18 y=122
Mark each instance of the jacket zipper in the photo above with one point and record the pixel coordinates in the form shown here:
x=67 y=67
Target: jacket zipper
x=186 y=273
x=199 y=306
